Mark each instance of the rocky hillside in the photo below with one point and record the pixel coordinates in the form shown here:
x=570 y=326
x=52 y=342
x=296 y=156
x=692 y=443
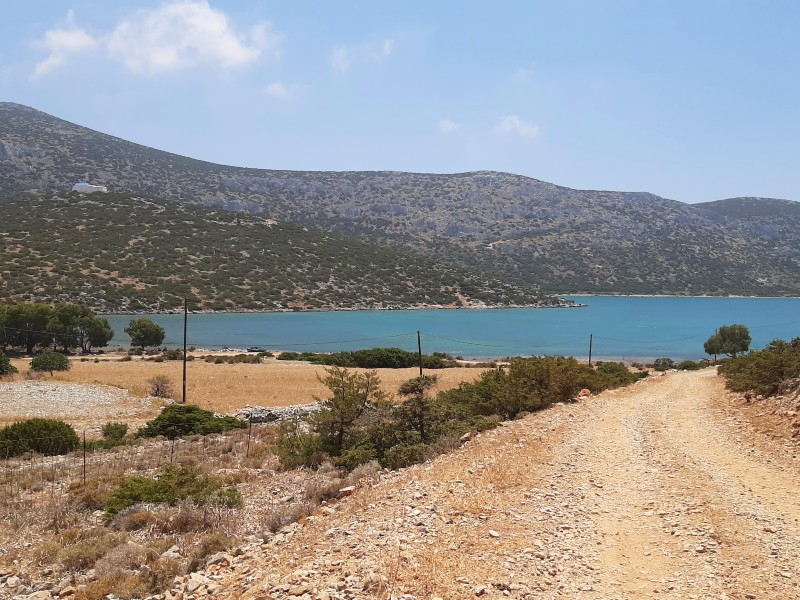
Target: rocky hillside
x=516 y=228
x=116 y=252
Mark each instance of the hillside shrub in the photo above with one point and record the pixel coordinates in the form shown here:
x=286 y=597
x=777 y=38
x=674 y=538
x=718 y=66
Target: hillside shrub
x=169 y=486
x=45 y=436
x=180 y=420
x=763 y=371
x=114 y=431
x=50 y=361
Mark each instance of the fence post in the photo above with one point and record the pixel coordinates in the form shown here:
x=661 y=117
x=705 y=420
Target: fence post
x=249 y=435
x=84 y=458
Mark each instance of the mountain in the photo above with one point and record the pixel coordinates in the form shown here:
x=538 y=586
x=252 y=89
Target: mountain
x=116 y=252
x=512 y=228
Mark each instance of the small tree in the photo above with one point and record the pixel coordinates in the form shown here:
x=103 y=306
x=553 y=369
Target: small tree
x=144 y=332
x=160 y=387
x=6 y=368
x=351 y=395
x=50 y=361
x=730 y=340
x=415 y=412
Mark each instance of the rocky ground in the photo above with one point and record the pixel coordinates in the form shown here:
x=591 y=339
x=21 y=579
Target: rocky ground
x=84 y=406
x=658 y=490
x=671 y=488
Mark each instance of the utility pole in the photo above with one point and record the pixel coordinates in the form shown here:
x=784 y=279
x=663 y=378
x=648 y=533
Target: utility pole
x=590 y=349
x=419 y=350
x=185 y=322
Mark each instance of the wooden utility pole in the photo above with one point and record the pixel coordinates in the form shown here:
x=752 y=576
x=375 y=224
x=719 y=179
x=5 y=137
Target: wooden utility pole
x=590 y=349
x=419 y=350
x=185 y=323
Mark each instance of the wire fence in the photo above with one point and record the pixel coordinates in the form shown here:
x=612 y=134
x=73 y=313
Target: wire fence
x=99 y=470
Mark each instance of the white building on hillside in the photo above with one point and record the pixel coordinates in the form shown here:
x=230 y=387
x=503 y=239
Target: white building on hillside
x=85 y=188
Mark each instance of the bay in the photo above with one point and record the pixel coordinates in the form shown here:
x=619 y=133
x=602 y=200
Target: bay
x=629 y=328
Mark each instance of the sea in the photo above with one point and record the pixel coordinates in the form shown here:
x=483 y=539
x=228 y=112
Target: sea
x=617 y=328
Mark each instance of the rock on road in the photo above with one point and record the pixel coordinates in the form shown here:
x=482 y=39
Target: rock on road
x=646 y=492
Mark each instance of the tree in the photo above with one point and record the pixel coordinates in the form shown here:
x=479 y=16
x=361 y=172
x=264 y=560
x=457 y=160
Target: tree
x=95 y=332
x=730 y=340
x=6 y=368
x=415 y=412
x=50 y=361
x=26 y=325
x=144 y=332
x=352 y=395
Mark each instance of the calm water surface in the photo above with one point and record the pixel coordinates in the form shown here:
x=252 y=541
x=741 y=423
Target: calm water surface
x=622 y=327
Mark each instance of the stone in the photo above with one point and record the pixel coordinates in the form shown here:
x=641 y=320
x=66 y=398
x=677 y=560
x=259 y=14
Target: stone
x=196 y=581
x=219 y=558
x=298 y=590
x=347 y=491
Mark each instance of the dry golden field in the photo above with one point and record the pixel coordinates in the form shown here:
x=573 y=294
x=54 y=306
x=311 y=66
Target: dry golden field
x=227 y=387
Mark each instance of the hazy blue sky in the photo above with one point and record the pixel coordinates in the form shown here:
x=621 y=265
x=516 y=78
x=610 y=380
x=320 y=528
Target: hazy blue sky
x=692 y=100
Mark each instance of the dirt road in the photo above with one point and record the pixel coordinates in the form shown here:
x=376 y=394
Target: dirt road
x=647 y=492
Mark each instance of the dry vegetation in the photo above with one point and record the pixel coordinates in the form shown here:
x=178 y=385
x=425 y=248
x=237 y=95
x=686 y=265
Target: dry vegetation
x=228 y=387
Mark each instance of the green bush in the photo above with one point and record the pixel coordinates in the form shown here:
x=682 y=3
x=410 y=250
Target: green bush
x=45 y=436
x=169 y=486
x=50 y=361
x=178 y=420
x=614 y=374
x=6 y=368
x=373 y=358
x=115 y=431
x=764 y=371
x=688 y=365
x=663 y=364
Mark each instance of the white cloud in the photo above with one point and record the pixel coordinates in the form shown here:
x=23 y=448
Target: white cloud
x=448 y=126
x=277 y=90
x=340 y=60
x=179 y=34
x=388 y=46
x=184 y=33
x=343 y=57
x=62 y=43
x=283 y=91
x=512 y=124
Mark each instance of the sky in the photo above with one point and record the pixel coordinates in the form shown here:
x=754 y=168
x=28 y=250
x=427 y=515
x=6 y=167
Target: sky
x=691 y=100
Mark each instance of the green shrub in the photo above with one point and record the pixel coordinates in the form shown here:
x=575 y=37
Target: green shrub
x=180 y=420
x=45 y=436
x=169 y=486
x=764 y=371
x=297 y=447
x=614 y=374
x=115 y=431
x=50 y=361
x=6 y=368
x=401 y=456
x=688 y=365
x=663 y=364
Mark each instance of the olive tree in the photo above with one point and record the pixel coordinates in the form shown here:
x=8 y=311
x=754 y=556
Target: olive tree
x=144 y=332
x=730 y=340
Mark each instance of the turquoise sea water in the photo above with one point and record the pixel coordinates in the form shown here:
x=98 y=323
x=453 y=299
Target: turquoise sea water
x=622 y=328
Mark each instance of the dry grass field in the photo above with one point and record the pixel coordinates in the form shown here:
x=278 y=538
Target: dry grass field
x=228 y=387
